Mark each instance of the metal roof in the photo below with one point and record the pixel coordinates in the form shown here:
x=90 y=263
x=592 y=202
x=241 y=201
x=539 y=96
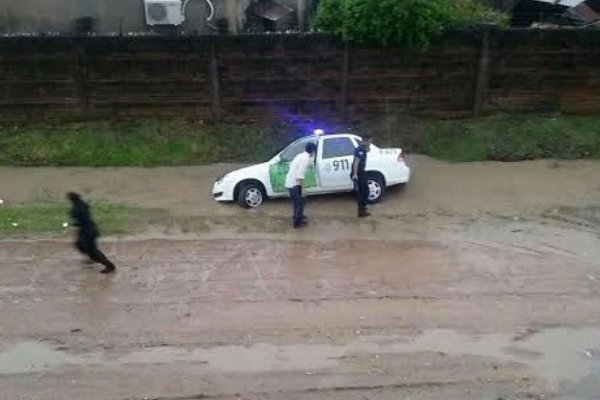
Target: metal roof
x=566 y=3
x=271 y=10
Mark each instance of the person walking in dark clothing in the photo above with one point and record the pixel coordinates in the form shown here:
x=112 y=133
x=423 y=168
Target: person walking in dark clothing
x=359 y=175
x=87 y=232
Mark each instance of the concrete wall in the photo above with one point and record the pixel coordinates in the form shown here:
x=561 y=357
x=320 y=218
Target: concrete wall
x=40 y=15
x=113 y=16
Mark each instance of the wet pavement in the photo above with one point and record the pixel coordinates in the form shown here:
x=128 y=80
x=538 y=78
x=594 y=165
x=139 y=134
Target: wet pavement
x=479 y=281
x=299 y=319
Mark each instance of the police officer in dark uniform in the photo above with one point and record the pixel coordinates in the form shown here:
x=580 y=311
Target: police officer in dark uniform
x=87 y=232
x=359 y=175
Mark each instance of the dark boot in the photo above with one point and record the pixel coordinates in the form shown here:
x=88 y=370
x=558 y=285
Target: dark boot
x=363 y=213
x=108 y=269
x=299 y=224
x=100 y=258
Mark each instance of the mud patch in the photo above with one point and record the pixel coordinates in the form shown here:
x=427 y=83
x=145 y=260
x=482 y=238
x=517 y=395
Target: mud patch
x=582 y=218
x=558 y=356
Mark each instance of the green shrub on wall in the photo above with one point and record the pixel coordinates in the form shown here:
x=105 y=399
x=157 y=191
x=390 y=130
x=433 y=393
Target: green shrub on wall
x=411 y=24
x=469 y=13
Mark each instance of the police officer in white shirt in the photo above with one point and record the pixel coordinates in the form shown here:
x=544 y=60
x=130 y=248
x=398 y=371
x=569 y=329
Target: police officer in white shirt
x=294 y=182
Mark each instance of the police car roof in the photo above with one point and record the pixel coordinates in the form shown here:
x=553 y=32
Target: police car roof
x=340 y=134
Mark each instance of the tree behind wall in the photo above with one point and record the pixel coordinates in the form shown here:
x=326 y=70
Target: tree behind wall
x=411 y=24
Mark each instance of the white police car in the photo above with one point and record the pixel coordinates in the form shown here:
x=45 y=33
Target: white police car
x=330 y=173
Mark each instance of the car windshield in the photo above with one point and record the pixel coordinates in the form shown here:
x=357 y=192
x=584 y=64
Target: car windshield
x=278 y=151
x=291 y=151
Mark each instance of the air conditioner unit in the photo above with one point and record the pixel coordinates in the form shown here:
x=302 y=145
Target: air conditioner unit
x=163 y=12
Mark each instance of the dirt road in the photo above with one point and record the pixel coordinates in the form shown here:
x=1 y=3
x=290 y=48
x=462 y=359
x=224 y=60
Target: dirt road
x=480 y=281
x=469 y=188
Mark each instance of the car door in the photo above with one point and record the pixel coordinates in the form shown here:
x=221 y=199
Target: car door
x=334 y=163
x=281 y=165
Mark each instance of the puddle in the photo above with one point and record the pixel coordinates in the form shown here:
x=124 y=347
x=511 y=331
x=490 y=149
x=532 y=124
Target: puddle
x=35 y=357
x=257 y=358
x=555 y=355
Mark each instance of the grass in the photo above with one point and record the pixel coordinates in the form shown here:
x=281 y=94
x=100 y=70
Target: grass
x=48 y=218
x=179 y=142
x=140 y=143
x=509 y=138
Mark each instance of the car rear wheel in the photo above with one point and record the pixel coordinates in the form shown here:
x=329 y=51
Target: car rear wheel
x=251 y=195
x=376 y=186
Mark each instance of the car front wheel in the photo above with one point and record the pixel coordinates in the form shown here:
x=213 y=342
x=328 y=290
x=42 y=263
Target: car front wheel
x=250 y=195
x=376 y=188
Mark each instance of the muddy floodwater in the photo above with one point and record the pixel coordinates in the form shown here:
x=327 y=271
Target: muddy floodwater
x=479 y=281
